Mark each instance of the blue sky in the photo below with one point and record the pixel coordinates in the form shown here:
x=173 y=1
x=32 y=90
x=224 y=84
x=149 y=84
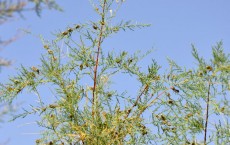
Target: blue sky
x=175 y=25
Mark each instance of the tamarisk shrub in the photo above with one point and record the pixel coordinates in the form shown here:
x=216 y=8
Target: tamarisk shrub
x=180 y=106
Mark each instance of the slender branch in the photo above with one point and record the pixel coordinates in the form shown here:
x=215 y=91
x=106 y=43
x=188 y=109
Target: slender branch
x=135 y=104
x=98 y=50
x=138 y=98
x=153 y=101
x=206 y=117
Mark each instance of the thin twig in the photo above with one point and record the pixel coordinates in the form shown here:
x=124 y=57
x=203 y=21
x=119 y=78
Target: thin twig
x=138 y=98
x=206 y=117
x=153 y=101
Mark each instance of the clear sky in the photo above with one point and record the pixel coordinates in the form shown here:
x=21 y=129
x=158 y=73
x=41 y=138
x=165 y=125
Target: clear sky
x=175 y=25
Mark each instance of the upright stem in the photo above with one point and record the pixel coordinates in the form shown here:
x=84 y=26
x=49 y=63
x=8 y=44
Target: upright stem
x=98 y=51
x=207 y=112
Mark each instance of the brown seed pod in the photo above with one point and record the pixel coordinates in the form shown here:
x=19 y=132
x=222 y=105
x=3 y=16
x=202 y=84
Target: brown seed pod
x=46 y=46
x=35 y=69
x=173 y=129
x=200 y=74
x=9 y=89
x=54 y=58
x=43 y=109
x=168 y=76
x=16 y=81
x=71 y=116
x=209 y=68
x=19 y=90
x=30 y=83
x=65 y=33
x=77 y=26
x=173 y=77
x=95 y=27
x=157 y=78
x=91 y=88
x=165 y=129
x=165 y=122
x=128 y=111
x=168 y=94
x=50 y=51
x=109 y=95
x=86 y=64
x=102 y=23
x=115 y=29
x=81 y=66
x=104 y=114
x=171 y=102
x=70 y=30
x=222 y=109
x=53 y=106
x=32 y=74
x=118 y=60
x=38 y=141
x=188 y=115
x=163 y=117
x=174 y=89
x=130 y=60
x=143 y=130
x=52 y=116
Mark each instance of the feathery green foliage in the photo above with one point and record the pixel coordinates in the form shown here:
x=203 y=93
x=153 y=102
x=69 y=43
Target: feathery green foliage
x=8 y=9
x=182 y=106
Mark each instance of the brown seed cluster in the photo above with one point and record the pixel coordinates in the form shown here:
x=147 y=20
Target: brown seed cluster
x=35 y=69
x=46 y=46
x=209 y=68
x=171 y=102
x=95 y=27
x=70 y=30
x=50 y=52
x=174 y=89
